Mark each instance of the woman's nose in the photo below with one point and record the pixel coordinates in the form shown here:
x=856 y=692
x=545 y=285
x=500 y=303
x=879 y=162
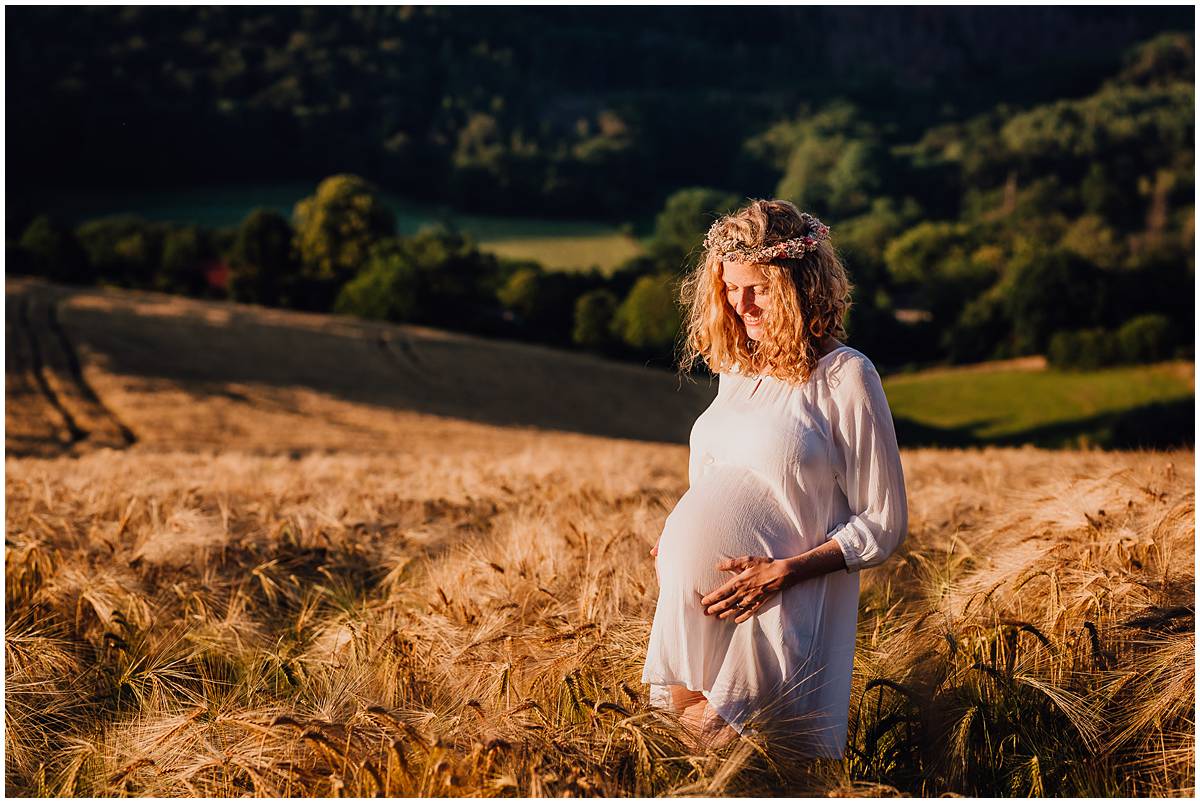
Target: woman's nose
x=745 y=302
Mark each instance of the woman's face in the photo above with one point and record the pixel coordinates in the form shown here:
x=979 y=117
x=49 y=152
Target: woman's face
x=748 y=294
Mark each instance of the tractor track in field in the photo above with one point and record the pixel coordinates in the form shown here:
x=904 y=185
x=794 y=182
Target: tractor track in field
x=80 y=383
x=56 y=410
x=30 y=371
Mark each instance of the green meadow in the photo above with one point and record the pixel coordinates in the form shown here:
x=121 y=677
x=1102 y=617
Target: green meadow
x=603 y=249
x=1045 y=407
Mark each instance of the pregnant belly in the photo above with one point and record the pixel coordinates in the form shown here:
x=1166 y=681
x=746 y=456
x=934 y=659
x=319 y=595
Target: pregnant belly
x=729 y=513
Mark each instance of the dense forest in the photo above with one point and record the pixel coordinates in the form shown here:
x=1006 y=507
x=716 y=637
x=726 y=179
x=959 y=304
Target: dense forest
x=1001 y=181
x=569 y=111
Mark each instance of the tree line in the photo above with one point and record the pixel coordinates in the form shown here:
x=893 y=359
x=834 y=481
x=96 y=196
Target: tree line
x=339 y=253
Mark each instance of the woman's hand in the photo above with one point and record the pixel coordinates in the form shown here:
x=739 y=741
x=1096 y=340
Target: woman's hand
x=757 y=579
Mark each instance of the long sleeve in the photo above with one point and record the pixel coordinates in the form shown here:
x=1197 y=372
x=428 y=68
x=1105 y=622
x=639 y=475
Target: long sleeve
x=867 y=466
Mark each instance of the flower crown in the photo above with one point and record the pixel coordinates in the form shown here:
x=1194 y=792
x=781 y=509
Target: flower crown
x=730 y=249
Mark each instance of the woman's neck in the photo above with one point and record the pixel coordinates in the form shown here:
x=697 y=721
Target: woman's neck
x=827 y=345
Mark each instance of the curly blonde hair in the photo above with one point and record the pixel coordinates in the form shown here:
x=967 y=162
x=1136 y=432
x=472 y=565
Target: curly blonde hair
x=810 y=298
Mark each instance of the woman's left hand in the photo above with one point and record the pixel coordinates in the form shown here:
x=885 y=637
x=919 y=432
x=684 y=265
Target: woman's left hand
x=757 y=579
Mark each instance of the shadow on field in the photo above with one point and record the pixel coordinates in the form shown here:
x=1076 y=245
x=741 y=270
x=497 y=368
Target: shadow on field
x=1158 y=425
x=914 y=434
x=205 y=347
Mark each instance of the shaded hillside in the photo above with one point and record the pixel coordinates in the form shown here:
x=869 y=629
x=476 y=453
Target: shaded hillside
x=90 y=367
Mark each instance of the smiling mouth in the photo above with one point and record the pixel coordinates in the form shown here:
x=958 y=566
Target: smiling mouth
x=754 y=321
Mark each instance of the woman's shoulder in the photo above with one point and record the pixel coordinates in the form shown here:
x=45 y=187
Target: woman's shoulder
x=849 y=370
x=846 y=353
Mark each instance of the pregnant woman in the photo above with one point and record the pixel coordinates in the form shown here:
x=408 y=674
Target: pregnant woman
x=795 y=485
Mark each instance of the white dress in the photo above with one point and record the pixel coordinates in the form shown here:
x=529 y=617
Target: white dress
x=777 y=471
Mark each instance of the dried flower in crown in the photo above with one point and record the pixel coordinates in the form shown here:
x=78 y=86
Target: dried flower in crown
x=729 y=249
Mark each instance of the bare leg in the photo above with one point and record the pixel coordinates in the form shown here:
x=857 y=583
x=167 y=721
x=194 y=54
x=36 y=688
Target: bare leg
x=682 y=697
x=702 y=724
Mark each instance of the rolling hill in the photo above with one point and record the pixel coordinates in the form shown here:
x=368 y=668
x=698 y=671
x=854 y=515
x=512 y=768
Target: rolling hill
x=96 y=367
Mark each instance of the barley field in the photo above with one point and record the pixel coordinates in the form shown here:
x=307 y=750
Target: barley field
x=251 y=552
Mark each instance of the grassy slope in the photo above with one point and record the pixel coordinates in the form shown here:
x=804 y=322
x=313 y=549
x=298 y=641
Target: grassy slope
x=285 y=589
x=1043 y=405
